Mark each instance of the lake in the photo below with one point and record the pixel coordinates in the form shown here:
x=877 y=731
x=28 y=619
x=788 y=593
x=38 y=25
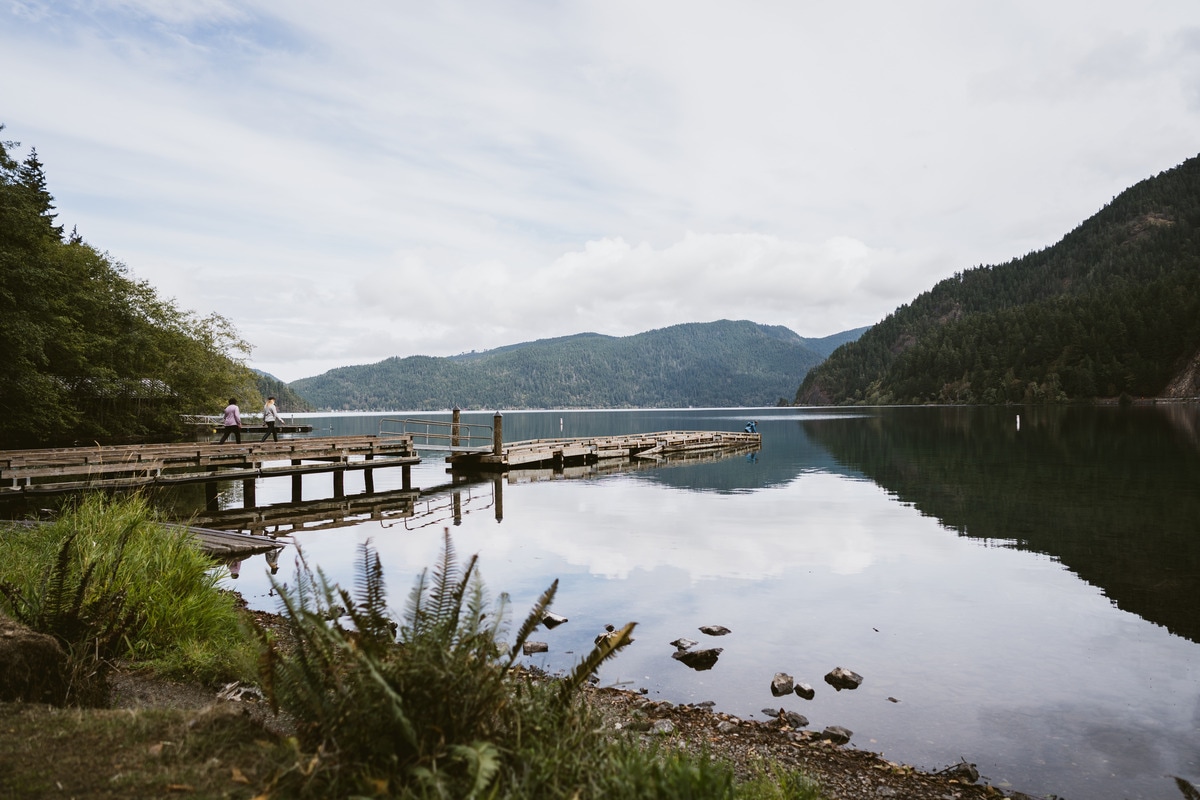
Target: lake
x=1019 y=587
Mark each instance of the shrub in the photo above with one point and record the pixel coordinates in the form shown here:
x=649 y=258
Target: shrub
x=109 y=581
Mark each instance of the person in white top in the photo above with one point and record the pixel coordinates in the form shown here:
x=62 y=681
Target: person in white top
x=271 y=418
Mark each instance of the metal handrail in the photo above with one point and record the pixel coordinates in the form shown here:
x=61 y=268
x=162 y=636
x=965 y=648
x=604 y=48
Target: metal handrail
x=440 y=434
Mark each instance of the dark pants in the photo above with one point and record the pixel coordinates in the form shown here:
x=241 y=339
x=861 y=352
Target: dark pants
x=271 y=431
x=235 y=430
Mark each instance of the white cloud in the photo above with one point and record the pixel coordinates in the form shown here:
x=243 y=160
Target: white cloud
x=349 y=183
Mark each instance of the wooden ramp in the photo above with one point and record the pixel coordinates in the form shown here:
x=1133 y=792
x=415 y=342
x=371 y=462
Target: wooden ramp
x=230 y=543
x=588 y=450
x=127 y=466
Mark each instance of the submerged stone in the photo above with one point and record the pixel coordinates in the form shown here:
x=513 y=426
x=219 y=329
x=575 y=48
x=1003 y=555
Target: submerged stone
x=698 y=659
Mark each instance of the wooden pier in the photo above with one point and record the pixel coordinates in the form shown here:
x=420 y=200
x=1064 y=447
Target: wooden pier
x=59 y=470
x=222 y=543
x=661 y=446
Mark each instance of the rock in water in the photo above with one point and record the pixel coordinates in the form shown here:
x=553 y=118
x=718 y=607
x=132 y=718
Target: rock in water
x=836 y=734
x=714 y=630
x=782 y=684
x=842 y=678
x=698 y=659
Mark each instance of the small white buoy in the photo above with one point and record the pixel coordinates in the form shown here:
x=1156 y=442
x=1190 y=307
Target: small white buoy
x=560 y=424
x=1018 y=422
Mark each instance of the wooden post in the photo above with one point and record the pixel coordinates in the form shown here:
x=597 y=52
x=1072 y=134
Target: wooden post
x=456 y=500
x=339 y=483
x=455 y=419
x=248 y=496
x=210 y=496
x=297 y=493
x=406 y=477
x=498 y=434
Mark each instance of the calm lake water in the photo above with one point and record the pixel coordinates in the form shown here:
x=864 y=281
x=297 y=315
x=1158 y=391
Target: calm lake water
x=1025 y=582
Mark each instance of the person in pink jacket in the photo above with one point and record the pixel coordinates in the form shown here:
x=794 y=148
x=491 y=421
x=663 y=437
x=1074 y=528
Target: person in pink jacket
x=233 y=422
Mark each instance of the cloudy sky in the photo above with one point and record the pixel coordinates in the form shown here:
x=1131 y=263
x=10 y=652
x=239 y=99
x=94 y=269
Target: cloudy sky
x=351 y=181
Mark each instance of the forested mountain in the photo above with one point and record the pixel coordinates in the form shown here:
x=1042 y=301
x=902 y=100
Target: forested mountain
x=1111 y=309
x=270 y=386
x=711 y=364
x=86 y=353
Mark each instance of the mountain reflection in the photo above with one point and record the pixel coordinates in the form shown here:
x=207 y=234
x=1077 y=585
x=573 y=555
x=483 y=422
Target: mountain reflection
x=1114 y=494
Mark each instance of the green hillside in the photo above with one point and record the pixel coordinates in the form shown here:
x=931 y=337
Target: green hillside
x=270 y=386
x=88 y=353
x=716 y=364
x=1111 y=309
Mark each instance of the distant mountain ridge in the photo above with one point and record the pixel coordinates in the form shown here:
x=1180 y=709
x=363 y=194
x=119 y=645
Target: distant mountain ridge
x=1111 y=309
x=714 y=364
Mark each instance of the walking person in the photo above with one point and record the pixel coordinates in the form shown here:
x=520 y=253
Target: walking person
x=271 y=418
x=233 y=422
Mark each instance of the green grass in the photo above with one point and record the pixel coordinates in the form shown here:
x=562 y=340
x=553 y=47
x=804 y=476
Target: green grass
x=177 y=623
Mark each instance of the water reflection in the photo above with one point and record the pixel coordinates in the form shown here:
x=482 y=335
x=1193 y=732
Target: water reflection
x=1114 y=494
x=937 y=553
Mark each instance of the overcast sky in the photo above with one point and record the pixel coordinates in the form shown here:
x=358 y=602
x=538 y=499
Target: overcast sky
x=351 y=181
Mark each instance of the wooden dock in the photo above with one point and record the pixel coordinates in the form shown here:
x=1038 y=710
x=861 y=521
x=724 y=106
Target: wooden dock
x=59 y=470
x=220 y=543
x=664 y=445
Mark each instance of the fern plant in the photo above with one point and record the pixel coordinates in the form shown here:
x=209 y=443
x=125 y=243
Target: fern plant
x=426 y=703
x=90 y=624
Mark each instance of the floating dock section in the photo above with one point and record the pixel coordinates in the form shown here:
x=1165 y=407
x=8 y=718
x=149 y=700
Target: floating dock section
x=661 y=446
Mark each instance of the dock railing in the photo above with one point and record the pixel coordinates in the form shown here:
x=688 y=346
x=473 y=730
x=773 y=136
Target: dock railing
x=439 y=434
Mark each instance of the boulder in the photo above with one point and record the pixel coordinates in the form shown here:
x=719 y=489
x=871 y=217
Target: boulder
x=841 y=678
x=33 y=666
x=794 y=720
x=782 y=684
x=553 y=620
x=530 y=648
x=684 y=644
x=962 y=771
x=714 y=630
x=805 y=691
x=698 y=659
x=836 y=734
